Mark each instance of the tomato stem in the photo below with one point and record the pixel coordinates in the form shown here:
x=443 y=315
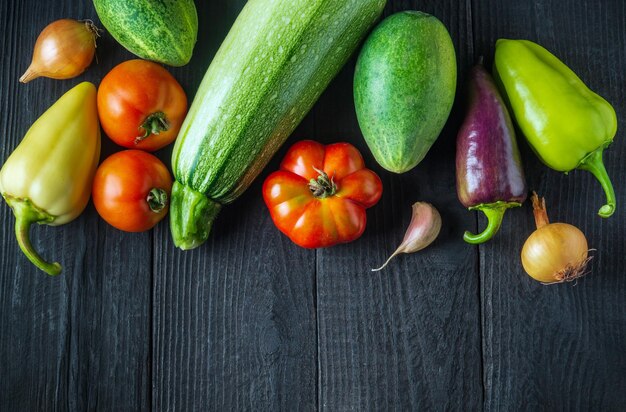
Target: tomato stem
x=323 y=186
x=157 y=199
x=154 y=124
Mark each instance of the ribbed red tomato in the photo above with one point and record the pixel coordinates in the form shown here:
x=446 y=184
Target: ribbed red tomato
x=319 y=196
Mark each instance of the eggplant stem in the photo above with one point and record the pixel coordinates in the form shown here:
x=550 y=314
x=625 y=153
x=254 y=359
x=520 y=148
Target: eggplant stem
x=494 y=213
x=593 y=163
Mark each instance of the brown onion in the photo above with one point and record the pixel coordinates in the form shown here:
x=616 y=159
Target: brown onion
x=64 y=49
x=555 y=252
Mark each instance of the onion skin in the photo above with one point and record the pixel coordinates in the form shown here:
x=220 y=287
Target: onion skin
x=548 y=250
x=555 y=252
x=64 y=49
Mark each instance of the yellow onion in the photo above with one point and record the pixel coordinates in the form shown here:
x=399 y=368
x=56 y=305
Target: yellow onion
x=64 y=49
x=555 y=252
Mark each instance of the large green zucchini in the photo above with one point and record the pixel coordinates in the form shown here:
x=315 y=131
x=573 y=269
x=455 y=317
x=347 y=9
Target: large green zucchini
x=278 y=58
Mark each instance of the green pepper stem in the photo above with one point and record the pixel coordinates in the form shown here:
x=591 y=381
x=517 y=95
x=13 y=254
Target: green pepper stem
x=494 y=213
x=25 y=215
x=593 y=163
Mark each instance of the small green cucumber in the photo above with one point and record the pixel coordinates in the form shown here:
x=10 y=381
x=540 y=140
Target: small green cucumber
x=161 y=30
x=404 y=87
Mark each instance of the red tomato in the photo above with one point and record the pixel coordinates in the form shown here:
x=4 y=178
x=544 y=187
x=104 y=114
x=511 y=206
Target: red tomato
x=131 y=190
x=319 y=196
x=141 y=105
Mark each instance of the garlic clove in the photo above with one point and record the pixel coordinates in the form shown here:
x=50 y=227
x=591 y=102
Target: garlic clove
x=422 y=231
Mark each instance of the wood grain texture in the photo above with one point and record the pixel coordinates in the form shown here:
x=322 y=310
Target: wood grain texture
x=234 y=320
x=560 y=347
x=234 y=323
x=406 y=338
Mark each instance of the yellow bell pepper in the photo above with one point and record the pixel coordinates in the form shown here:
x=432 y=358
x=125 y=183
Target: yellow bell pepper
x=48 y=178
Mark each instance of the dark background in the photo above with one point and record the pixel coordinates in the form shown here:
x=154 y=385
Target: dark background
x=250 y=321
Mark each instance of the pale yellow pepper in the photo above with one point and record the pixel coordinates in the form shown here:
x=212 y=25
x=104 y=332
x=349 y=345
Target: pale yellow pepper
x=48 y=178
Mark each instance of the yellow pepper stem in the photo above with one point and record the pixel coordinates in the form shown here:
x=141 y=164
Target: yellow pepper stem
x=25 y=215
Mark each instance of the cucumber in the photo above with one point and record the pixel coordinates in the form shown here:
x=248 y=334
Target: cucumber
x=277 y=59
x=404 y=87
x=164 y=31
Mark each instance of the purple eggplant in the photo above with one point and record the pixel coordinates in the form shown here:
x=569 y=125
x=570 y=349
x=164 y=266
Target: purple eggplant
x=489 y=173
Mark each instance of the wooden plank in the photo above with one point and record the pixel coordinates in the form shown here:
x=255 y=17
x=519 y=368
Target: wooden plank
x=406 y=338
x=560 y=347
x=234 y=320
x=79 y=341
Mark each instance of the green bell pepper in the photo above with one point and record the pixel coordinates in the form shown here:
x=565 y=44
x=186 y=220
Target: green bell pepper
x=567 y=125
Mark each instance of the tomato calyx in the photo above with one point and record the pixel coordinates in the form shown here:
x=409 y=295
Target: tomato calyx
x=154 y=124
x=323 y=186
x=157 y=199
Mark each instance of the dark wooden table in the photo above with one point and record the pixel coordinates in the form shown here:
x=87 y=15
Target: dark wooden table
x=249 y=321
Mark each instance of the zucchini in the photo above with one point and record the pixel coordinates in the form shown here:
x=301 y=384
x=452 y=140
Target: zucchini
x=164 y=31
x=276 y=61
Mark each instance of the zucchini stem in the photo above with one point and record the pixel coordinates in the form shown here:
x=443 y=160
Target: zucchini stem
x=191 y=216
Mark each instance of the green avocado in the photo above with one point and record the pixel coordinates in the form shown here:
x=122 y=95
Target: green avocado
x=404 y=87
